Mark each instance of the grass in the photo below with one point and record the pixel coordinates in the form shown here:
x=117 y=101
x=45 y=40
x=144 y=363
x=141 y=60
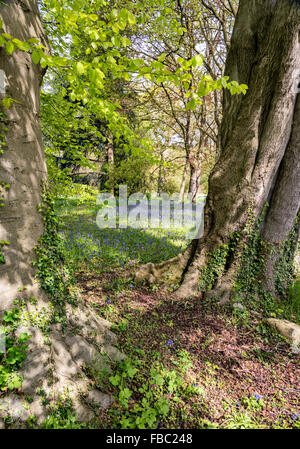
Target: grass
x=84 y=241
x=190 y=363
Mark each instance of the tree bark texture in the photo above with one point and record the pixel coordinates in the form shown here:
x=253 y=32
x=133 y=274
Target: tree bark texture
x=22 y=162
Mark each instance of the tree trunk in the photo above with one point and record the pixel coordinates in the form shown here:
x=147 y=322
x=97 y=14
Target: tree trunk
x=194 y=181
x=183 y=181
x=258 y=141
x=53 y=365
x=22 y=163
x=284 y=206
x=161 y=175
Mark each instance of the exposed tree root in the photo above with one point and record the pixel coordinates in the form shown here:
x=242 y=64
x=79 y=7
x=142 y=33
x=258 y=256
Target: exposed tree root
x=170 y=271
x=55 y=362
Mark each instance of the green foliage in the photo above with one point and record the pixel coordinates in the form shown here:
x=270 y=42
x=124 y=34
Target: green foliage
x=53 y=268
x=248 y=284
x=285 y=270
x=100 y=248
x=91 y=72
x=143 y=402
x=15 y=351
x=294 y=298
x=251 y=256
x=62 y=416
x=213 y=268
x=3 y=243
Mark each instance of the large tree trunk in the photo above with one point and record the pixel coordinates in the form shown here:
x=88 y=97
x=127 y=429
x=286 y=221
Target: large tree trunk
x=284 y=207
x=22 y=163
x=54 y=366
x=258 y=140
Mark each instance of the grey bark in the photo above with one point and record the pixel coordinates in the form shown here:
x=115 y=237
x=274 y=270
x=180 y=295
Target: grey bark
x=55 y=366
x=284 y=202
x=23 y=162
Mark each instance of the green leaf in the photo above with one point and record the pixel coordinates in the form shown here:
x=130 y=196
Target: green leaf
x=197 y=60
x=7 y=102
x=162 y=57
x=115 y=380
x=124 y=395
x=191 y=105
x=131 y=18
x=122 y=24
x=43 y=62
x=93 y=17
x=80 y=68
x=35 y=56
x=33 y=40
x=131 y=371
x=25 y=46
x=123 y=14
x=162 y=406
x=9 y=47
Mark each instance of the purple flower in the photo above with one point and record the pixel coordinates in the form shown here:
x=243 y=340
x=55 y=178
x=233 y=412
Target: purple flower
x=257 y=396
x=295 y=416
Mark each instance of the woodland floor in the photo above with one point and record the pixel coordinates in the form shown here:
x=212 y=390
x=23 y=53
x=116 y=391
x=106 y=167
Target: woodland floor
x=191 y=363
